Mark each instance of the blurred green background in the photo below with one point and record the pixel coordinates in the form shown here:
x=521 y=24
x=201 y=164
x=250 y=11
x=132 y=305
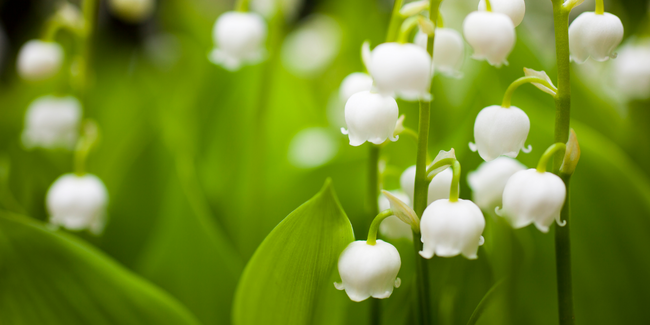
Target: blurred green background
x=200 y=166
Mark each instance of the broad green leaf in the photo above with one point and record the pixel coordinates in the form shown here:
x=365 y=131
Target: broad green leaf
x=48 y=277
x=292 y=269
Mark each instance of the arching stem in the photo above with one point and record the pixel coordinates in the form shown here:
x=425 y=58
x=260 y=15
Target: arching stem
x=454 y=191
x=374 y=227
x=523 y=80
x=600 y=7
x=553 y=149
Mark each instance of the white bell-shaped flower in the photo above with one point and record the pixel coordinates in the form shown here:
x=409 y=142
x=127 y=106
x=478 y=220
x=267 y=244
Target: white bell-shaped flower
x=369 y=270
x=533 y=197
x=595 y=36
x=488 y=181
x=632 y=70
x=78 y=202
x=500 y=131
x=451 y=228
x=239 y=38
x=370 y=117
x=439 y=187
x=491 y=35
x=132 y=10
x=401 y=69
x=392 y=227
x=52 y=122
x=39 y=60
x=354 y=83
x=515 y=9
x=448 y=50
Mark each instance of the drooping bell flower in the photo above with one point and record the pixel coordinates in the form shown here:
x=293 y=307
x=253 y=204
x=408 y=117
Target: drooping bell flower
x=500 y=131
x=448 y=51
x=594 y=35
x=354 y=83
x=393 y=227
x=239 y=39
x=401 y=70
x=52 y=122
x=488 y=181
x=439 y=187
x=632 y=70
x=370 y=117
x=491 y=35
x=369 y=270
x=78 y=202
x=535 y=197
x=515 y=9
x=451 y=228
x=39 y=60
x=132 y=10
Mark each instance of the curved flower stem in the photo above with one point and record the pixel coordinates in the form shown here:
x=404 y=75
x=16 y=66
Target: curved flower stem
x=523 y=80
x=554 y=148
x=406 y=28
x=84 y=145
x=242 y=5
x=440 y=163
x=488 y=5
x=374 y=227
x=395 y=22
x=562 y=121
x=600 y=7
x=454 y=191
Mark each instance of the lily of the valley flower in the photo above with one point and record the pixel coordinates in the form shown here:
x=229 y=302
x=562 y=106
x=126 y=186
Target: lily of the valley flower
x=448 y=50
x=488 y=181
x=439 y=187
x=239 y=38
x=632 y=70
x=515 y=9
x=535 y=197
x=500 y=131
x=39 y=60
x=132 y=10
x=594 y=35
x=78 y=202
x=491 y=35
x=354 y=83
x=52 y=122
x=393 y=227
x=451 y=228
x=400 y=69
x=369 y=270
x=370 y=117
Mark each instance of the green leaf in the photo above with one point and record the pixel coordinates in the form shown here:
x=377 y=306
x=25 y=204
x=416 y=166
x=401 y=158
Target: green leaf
x=292 y=270
x=48 y=277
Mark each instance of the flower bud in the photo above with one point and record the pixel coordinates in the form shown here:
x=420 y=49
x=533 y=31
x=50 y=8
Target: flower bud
x=239 y=38
x=439 y=187
x=448 y=51
x=354 y=83
x=491 y=35
x=632 y=70
x=392 y=227
x=500 y=131
x=515 y=9
x=533 y=197
x=370 y=117
x=39 y=60
x=369 y=270
x=488 y=181
x=595 y=36
x=78 y=202
x=52 y=122
x=132 y=10
x=401 y=69
x=451 y=228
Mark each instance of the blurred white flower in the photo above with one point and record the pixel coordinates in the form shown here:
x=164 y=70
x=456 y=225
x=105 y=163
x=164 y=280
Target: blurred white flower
x=39 y=60
x=451 y=228
x=239 y=39
x=354 y=83
x=132 y=10
x=500 y=131
x=595 y=36
x=401 y=69
x=52 y=122
x=369 y=270
x=370 y=117
x=392 y=227
x=489 y=179
x=448 y=51
x=631 y=71
x=533 y=197
x=312 y=147
x=311 y=48
x=78 y=202
x=491 y=35
x=439 y=187
x=515 y=9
